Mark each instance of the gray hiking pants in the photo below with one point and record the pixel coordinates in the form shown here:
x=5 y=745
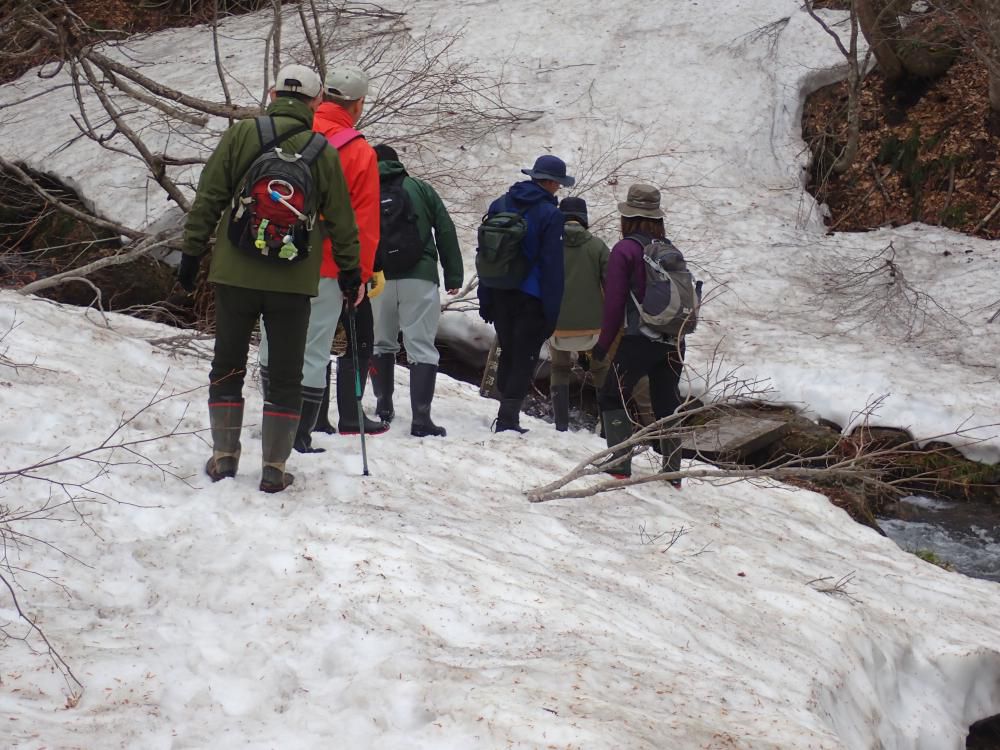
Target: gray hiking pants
x=412 y=306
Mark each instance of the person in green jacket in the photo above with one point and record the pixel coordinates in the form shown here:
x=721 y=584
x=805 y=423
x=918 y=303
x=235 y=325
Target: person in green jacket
x=248 y=287
x=585 y=260
x=411 y=302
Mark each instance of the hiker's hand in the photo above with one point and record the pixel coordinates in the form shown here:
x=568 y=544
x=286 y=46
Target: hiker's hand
x=453 y=292
x=584 y=361
x=360 y=298
x=350 y=284
x=598 y=353
x=187 y=272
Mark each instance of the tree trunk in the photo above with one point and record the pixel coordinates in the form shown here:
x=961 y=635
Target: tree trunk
x=989 y=12
x=880 y=26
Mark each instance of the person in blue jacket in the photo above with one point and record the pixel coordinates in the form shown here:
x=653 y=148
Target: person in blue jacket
x=525 y=317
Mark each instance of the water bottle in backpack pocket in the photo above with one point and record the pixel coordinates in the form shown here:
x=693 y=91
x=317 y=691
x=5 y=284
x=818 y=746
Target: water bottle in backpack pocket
x=500 y=259
x=274 y=209
x=669 y=309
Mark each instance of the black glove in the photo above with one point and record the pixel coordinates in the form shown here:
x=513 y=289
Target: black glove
x=187 y=271
x=584 y=361
x=486 y=313
x=598 y=353
x=349 y=283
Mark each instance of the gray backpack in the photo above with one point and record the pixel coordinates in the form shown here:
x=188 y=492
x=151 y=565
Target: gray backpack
x=669 y=309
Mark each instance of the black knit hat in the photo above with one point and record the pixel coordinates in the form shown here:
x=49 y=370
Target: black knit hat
x=574 y=208
x=386 y=153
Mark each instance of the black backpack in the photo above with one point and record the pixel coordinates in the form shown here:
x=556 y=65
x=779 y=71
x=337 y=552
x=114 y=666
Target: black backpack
x=274 y=208
x=501 y=262
x=400 y=245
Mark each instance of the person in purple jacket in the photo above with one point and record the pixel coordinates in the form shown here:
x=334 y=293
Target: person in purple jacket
x=662 y=360
x=525 y=317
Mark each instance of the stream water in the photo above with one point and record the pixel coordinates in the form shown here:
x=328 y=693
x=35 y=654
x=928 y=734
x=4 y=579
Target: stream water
x=963 y=535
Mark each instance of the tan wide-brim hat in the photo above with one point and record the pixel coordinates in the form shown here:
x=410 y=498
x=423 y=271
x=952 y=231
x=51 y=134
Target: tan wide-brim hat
x=642 y=200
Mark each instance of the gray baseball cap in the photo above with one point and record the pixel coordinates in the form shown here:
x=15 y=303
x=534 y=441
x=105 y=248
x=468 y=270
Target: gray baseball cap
x=642 y=200
x=298 y=79
x=346 y=83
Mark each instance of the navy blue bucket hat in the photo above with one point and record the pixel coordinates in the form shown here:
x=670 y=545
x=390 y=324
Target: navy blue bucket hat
x=550 y=167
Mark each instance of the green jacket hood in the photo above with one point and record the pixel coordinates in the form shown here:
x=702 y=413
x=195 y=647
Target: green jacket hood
x=285 y=106
x=575 y=234
x=390 y=168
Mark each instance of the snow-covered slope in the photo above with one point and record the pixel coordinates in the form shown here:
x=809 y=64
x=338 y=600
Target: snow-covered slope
x=430 y=605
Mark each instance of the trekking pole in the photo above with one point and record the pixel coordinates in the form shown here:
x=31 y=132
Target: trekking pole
x=352 y=329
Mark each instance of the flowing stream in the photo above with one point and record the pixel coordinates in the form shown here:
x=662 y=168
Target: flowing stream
x=965 y=536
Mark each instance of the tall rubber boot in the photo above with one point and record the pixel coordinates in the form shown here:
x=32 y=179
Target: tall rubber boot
x=323 y=420
x=312 y=400
x=278 y=429
x=617 y=429
x=383 y=374
x=670 y=449
x=509 y=416
x=226 y=418
x=422 y=378
x=560 y=406
x=347 y=401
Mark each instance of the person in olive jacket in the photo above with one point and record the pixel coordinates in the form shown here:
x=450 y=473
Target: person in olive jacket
x=248 y=287
x=585 y=259
x=411 y=302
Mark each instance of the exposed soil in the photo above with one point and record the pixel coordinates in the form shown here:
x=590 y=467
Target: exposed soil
x=927 y=153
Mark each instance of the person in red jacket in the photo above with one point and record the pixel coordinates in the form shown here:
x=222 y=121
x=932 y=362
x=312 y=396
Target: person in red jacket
x=344 y=92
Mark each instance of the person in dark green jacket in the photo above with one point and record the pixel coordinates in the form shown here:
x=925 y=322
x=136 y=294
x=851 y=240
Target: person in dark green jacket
x=249 y=287
x=585 y=260
x=411 y=302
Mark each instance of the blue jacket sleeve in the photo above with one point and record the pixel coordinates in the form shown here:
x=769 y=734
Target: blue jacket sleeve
x=551 y=266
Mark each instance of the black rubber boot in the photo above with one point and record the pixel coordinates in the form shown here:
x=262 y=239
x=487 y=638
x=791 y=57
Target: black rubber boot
x=312 y=398
x=617 y=429
x=670 y=449
x=226 y=417
x=383 y=374
x=560 y=406
x=422 y=377
x=323 y=420
x=278 y=428
x=509 y=416
x=347 y=401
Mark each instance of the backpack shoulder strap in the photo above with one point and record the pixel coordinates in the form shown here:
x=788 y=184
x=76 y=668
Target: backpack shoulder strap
x=313 y=149
x=342 y=137
x=267 y=133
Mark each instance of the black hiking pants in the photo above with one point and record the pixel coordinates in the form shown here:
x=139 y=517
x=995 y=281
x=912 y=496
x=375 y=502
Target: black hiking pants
x=519 y=320
x=638 y=356
x=286 y=319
